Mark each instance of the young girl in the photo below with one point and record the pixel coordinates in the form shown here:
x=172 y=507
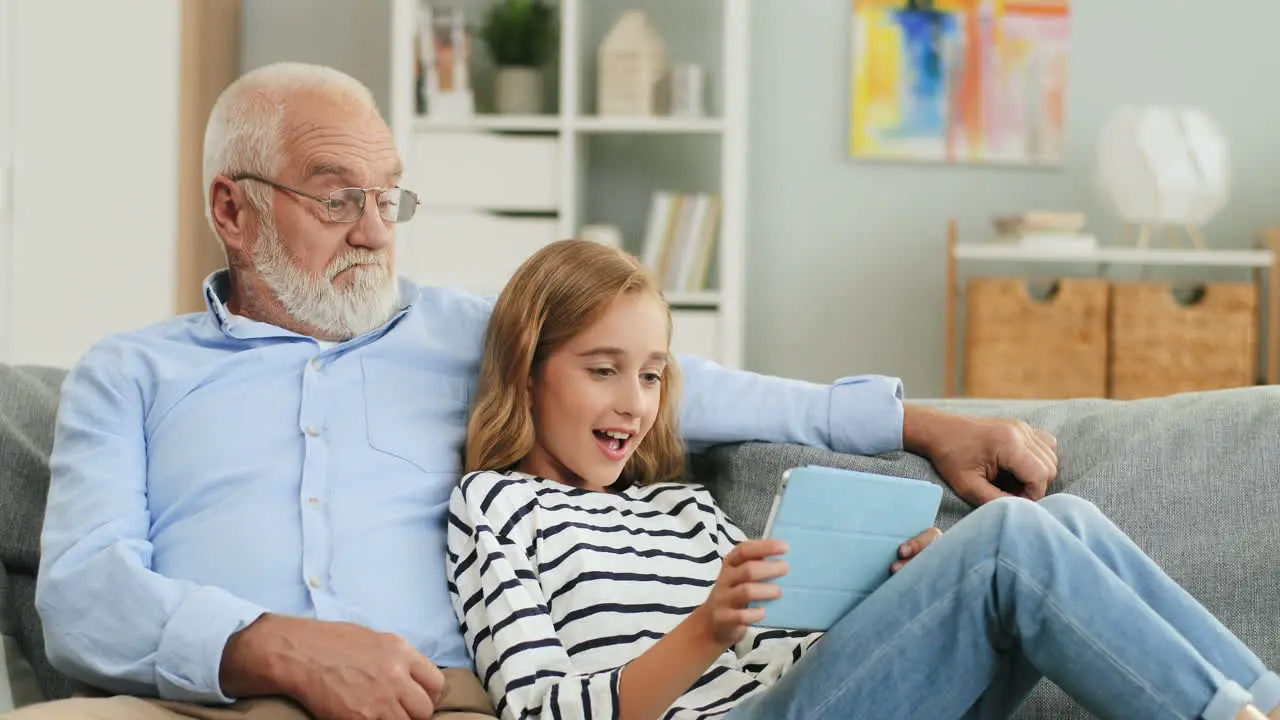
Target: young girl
x=590 y=586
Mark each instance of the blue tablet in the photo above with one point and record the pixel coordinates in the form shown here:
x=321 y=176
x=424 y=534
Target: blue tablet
x=843 y=529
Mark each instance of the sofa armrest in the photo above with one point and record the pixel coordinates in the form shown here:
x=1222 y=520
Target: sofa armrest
x=6 y=688
x=18 y=685
x=28 y=408
x=6 y=683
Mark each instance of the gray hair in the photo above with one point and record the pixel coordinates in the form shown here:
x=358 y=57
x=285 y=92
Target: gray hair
x=246 y=124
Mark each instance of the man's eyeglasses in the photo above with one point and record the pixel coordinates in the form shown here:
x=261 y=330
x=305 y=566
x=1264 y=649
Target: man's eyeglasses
x=346 y=205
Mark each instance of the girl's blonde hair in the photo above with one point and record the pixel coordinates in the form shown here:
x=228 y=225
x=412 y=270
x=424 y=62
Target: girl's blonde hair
x=558 y=292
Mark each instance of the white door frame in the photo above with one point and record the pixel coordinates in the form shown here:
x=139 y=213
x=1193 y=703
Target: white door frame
x=8 y=12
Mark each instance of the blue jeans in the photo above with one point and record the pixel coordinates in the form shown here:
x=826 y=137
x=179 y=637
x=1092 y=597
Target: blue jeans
x=1016 y=591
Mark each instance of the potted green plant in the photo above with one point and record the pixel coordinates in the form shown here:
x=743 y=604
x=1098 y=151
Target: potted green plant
x=522 y=37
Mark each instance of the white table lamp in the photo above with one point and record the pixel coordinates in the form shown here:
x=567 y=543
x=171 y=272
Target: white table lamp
x=1164 y=167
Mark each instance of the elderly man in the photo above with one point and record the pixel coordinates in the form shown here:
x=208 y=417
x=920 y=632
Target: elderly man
x=247 y=508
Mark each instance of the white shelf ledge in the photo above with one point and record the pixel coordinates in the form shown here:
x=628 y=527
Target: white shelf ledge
x=584 y=124
x=1116 y=256
x=705 y=299
x=590 y=124
x=496 y=123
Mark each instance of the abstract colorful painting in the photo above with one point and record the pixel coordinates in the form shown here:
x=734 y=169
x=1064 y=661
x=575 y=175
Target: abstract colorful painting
x=960 y=81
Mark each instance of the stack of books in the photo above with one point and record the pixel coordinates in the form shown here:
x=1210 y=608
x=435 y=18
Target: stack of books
x=680 y=239
x=1049 y=231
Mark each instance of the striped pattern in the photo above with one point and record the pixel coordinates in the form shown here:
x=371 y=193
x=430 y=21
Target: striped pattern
x=558 y=588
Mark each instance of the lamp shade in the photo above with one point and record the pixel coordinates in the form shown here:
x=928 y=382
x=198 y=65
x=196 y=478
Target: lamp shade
x=1164 y=165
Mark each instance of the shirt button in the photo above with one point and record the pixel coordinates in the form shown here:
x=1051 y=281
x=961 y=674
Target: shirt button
x=315 y=363
x=313 y=431
x=313 y=502
x=313 y=581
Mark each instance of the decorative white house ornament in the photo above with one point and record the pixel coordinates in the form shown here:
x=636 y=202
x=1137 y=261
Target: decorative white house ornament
x=632 y=68
x=1164 y=167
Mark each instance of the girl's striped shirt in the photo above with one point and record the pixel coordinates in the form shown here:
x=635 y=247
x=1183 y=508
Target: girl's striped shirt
x=558 y=588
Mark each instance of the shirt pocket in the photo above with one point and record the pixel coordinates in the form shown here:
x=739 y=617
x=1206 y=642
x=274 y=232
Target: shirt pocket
x=415 y=413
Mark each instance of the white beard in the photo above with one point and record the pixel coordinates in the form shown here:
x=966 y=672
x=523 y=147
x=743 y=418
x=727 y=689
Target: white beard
x=371 y=299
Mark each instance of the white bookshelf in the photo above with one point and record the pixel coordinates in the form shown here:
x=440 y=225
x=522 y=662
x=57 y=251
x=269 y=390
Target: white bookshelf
x=599 y=169
x=489 y=123
x=571 y=123
x=494 y=188
x=647 y=125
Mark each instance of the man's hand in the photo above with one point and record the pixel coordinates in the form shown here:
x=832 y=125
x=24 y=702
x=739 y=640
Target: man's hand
x=336 y=670
x=972 y=453
x=914 y=547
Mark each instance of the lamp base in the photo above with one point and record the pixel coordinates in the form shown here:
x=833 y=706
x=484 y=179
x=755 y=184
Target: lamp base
x=1146 y=231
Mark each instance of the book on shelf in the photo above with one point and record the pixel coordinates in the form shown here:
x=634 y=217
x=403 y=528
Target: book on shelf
x=1059 y=242
x=1040 y=221
x=1046 y=231
x=1047 y=241
x=680 y=239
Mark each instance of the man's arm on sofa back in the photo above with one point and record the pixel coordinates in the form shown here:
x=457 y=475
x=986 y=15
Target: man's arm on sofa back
x=109 y=620
x=855 y=414
x=1200 y=451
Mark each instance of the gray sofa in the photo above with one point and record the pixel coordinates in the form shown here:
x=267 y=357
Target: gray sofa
x=1192 y=478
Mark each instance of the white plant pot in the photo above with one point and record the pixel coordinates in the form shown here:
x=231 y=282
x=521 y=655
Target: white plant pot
x=518 y=91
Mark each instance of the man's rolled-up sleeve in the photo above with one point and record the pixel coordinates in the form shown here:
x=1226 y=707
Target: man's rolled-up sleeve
x=109 y=620
x=865 y=415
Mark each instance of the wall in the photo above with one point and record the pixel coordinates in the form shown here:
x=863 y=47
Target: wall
x=7 y=32
x=319 y=31
x=846 y=258
x=94 y=114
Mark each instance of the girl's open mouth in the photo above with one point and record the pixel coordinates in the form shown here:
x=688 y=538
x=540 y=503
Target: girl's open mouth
x=613 y=443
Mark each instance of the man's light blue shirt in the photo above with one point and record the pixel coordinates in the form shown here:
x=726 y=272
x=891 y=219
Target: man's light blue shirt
x=211 y=468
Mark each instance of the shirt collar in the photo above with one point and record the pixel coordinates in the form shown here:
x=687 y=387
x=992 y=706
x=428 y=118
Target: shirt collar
x=216 y=288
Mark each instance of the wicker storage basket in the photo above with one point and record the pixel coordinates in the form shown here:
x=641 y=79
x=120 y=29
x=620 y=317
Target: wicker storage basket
x=1160 y=346
x=1017 y=346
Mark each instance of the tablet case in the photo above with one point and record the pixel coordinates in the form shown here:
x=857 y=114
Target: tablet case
x=843 y=529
